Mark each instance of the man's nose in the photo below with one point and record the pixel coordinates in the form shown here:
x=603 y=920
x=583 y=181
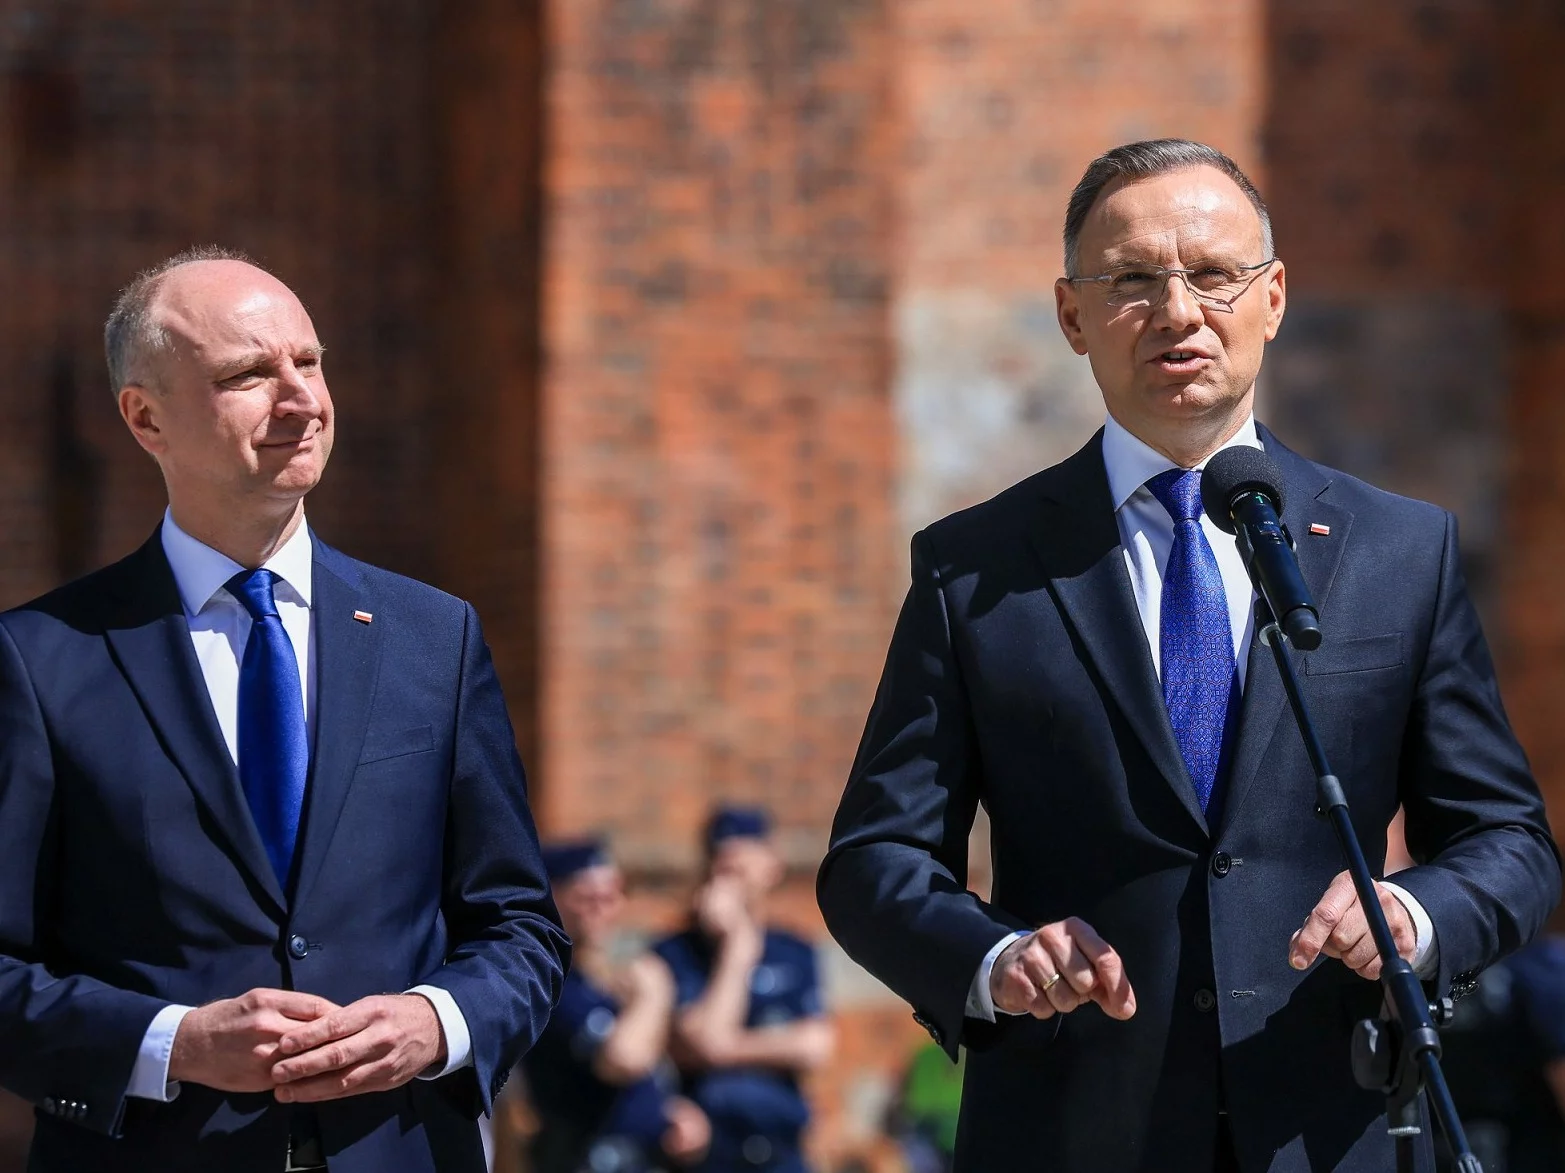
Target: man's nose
x=1179 y=307
x=297 y=395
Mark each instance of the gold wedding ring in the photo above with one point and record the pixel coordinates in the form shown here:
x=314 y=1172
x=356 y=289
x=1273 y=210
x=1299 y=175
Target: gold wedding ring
x=1049 y=985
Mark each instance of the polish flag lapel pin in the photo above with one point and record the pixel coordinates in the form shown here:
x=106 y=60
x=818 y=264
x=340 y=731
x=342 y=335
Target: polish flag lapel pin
x=363 y=616
x=1315 y=528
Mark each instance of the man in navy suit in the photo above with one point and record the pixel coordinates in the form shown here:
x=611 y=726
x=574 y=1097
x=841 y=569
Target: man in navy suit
x=1167 y=972
x=270 y=892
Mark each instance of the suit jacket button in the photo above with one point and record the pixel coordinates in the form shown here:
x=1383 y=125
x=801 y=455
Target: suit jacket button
x=298 y=947
x=51 y=1106
x=1222 y=862
x=1205 y=1000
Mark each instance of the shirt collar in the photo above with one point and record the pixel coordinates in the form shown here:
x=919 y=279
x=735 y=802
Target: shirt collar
x=200 y=571
x=1131 y=463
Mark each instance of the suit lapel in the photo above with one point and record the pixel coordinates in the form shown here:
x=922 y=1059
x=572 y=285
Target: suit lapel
x=347 y=658
x=150 y=641
x=1261 y=710
x=1078 y=540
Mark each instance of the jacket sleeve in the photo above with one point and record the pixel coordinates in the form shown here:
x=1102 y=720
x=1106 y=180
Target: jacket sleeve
x=893 y=886
x=1489 y=871
x=508 y=954
x=68 y=1043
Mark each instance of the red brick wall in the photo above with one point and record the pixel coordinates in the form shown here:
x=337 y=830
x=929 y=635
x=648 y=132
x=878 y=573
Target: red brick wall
x=1529 y=252
x=717 y=436
x=1389 y=185
x=1386 y=142
x=486 y=280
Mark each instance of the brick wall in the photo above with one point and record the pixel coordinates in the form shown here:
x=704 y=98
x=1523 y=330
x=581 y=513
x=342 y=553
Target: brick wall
x=1385 y=183
x=1526 y=255
x=717 y=433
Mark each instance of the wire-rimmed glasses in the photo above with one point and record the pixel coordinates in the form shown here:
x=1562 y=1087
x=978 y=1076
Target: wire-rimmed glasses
x=1136 y=286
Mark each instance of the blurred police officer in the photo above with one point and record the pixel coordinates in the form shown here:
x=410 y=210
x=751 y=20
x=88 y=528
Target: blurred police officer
x=1505 y=1061
x=599 y=1075
x=750 y=1020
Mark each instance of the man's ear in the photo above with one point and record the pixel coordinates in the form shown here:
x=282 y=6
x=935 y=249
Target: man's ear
x=1276 y=299
x=1068 y=310
x=140 y=409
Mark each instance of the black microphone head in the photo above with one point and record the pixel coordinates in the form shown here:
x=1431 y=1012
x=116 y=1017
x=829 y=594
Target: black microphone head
x=1236 y=470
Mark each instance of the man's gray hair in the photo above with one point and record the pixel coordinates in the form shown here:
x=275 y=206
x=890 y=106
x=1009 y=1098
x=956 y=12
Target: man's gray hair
x=132 y=335
x=1142 y=161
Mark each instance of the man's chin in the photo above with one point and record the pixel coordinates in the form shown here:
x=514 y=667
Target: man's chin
x=1193 y=399
x=295 y=481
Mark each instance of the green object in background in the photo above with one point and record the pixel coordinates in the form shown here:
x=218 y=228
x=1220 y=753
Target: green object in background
x=932 y=1094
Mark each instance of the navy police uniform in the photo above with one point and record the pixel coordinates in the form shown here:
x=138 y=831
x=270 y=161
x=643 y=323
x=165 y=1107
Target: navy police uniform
x=1497 y=1051
x=758 y=1114
x=586 y=1123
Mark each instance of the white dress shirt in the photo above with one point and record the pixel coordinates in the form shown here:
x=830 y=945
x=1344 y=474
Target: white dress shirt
x=1146 y=533
x=219 y=629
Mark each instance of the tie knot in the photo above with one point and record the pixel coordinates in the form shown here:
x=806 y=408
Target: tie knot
x=1179 y=491
x=253 y=589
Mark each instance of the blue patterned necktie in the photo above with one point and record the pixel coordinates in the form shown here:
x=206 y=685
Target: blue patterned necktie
x=274 y=752
x=1196 y=644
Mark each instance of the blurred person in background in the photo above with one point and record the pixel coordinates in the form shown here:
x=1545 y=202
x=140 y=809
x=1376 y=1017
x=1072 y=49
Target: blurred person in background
x=929 y=1103
x=249 y=785
x=1504 y=1057
x=599 y=1077
x=750 y=1021
x=1167 y=973
x=1504 y=1053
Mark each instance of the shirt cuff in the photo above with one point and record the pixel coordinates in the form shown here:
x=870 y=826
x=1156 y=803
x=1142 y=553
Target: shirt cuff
x=980 y=999
x=1426 y=946
x=149 y=1077
x=459 y=1043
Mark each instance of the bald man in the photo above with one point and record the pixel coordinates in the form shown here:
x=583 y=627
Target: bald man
x=270 y=892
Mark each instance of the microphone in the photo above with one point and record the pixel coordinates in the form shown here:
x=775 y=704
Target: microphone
x=1241 y=491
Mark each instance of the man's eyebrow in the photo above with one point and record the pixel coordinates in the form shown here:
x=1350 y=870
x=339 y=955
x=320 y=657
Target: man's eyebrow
x=251 y=358
x=242 y=362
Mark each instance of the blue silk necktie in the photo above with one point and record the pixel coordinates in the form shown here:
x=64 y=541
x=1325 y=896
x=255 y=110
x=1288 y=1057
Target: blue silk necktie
x=274 y=751
x=1196 y=641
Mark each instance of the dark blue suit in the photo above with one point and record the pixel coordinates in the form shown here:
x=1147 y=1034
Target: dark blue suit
x=132 y=876
x=1019 y=676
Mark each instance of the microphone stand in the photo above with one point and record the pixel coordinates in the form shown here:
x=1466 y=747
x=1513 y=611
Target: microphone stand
x=1399 y=1052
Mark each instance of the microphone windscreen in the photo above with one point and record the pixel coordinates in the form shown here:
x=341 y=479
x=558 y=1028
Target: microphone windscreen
x=1237 y=470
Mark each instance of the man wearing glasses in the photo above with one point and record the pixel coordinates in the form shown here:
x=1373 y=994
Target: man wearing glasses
x=1168 y=970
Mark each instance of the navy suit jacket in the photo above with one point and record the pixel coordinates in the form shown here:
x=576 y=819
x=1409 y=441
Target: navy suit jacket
x=1019 y=677
x=132 y=875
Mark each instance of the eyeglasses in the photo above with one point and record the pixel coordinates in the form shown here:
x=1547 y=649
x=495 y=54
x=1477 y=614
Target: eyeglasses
x=1144 y=285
